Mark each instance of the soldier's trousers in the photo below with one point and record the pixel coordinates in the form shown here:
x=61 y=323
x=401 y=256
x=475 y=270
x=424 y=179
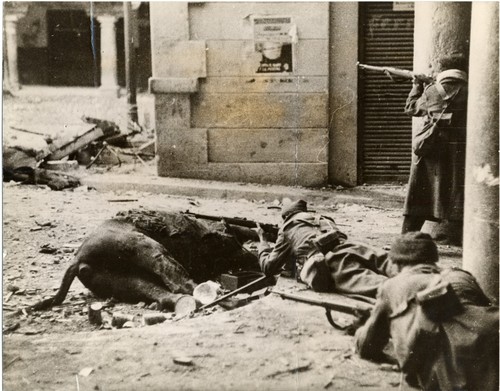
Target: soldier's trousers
x=357 y=268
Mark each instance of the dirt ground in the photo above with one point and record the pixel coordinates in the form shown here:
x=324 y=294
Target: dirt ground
x=270 y=344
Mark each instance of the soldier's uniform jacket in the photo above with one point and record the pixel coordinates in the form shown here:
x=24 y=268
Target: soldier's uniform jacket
x=466 y=352
x=294 y=243
x=347 y=267
x=436 y=184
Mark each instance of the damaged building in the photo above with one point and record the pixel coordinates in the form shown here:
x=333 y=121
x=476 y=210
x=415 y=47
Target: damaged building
x=218 y=114
x=252 y=92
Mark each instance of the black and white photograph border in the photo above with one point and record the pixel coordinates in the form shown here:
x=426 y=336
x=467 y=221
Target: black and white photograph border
x=169 y=214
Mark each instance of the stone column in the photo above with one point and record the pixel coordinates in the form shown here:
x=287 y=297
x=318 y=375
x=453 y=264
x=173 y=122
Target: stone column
x=178 y=63
x=11 y=43
x=109 y=77
x=343 y=124
x=481 y=185
x=440 y=28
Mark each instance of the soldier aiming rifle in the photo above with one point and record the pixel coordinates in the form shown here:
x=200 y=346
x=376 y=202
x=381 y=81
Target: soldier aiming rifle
x=391 y=71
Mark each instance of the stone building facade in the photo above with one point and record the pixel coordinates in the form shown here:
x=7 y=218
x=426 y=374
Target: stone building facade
x=307 y=117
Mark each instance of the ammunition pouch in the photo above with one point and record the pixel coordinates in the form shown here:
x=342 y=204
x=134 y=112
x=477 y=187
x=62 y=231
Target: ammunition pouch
x=439 y=301
x=327 y=241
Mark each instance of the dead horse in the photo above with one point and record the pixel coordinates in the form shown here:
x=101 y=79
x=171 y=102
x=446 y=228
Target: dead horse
x=155 y=256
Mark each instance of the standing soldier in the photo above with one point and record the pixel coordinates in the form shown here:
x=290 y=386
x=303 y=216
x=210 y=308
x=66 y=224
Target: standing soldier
x=436 y=184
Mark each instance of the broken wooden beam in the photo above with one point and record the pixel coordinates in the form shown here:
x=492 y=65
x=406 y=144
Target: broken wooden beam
x=85 y=134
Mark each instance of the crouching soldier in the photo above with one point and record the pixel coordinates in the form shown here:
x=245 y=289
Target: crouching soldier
x=312 y=248
x=443 y=329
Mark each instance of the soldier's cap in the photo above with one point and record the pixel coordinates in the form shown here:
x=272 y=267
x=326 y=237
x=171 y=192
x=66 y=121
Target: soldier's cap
x=412 y=248
x=293 y=208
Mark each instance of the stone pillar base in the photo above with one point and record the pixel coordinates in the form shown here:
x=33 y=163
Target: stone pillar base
x=110 y=90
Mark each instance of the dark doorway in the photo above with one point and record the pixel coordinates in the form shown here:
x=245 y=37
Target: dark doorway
x=386 y=40
x=74 y=49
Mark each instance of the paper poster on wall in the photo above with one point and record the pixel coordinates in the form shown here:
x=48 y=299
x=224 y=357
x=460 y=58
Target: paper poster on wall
x=274 y=37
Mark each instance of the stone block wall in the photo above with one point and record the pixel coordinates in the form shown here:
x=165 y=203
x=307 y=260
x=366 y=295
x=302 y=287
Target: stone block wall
x=216 y=116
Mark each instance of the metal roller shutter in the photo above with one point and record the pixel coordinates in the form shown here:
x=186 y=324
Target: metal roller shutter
x=387 y=39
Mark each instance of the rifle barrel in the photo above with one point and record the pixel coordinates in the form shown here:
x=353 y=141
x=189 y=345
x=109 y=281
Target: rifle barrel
x=370 y=67
x=396 y=71
x=273 y=229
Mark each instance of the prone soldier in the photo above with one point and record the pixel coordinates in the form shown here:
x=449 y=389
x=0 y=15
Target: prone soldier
x=312 y=248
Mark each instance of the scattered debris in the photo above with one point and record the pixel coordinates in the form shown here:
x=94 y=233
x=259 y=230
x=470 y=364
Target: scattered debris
x=185 y=305
x=329 y=383
x=105 y=146
x=11 y=362
x=72 y=352
x=120 y=319
x=49 y=224
x=31 y=156
x=238 y=329
x=206 y=292
x=73 y=246
x=47 y=249
x=151 y=319
x=33 y=332
x=301 y=367
x=11 y=328
x=61 y=165
x=9 y=295
x=94 y=313
x=12 y=288
x=388 y=367
x=183 y=360
x=55 y=180
x=123 y=200
x=86 y=371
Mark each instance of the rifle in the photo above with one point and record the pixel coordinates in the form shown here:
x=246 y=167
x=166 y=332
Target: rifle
x=360 y=310
x=389 y=71
x=270 y=229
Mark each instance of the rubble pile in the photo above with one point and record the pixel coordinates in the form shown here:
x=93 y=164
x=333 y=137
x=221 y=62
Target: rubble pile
x=51 y=154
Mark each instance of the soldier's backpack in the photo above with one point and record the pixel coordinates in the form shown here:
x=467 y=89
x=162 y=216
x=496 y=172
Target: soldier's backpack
x=431 y=306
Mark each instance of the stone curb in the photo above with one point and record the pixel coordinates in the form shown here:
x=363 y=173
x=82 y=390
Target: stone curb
x=373 y=196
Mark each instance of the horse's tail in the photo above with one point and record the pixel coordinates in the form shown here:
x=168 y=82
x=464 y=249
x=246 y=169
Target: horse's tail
x=69 y=276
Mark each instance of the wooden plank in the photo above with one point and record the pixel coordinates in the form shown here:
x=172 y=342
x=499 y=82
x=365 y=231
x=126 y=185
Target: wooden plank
x=267 y=145
x=77 y=143
x=229 y=20
x=260 y=111
x=239 y=58
x=265 y=84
